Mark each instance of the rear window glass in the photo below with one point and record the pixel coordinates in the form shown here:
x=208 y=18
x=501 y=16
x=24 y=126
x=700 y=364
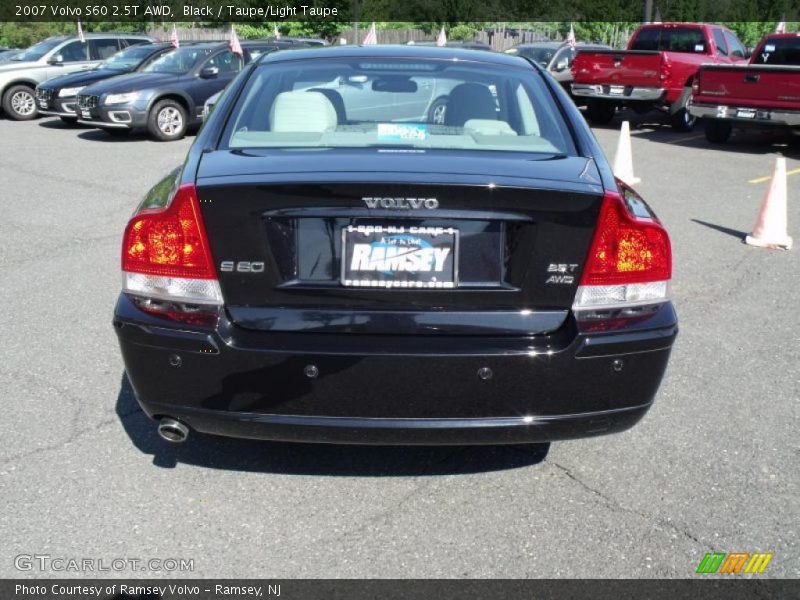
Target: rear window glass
x=779 y=51
x=670 y=39
x=425 y=104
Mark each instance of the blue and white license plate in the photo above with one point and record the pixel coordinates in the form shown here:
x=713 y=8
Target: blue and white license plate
x=86 y=114
x=746 y=113
x=399 y=256
x=616 y=90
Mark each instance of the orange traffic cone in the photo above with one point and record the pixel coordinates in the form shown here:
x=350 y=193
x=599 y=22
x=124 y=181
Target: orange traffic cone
x=623 y=160
x=770 y=229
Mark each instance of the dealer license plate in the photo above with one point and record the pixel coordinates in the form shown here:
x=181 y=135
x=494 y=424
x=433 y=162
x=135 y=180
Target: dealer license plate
x=399 y=256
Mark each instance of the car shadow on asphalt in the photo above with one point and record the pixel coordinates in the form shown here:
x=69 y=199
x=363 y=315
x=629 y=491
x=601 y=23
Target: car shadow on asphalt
x=234 y=454
x=56 y=123
x=740 y=235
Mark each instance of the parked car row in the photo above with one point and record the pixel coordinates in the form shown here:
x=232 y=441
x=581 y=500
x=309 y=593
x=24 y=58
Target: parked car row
x=124 y=82
x=50 y=58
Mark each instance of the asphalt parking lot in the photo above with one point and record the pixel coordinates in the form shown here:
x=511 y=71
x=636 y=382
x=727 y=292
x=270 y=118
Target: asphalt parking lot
x=712 y=467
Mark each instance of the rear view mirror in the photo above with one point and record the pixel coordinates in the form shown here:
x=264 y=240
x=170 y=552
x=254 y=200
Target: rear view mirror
x=561 y=65
x=400 y=85
x=56 y=59
x=209 y=72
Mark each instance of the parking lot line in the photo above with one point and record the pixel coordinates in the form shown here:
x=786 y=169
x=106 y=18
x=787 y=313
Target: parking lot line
x=768 y=177
x=685 y=139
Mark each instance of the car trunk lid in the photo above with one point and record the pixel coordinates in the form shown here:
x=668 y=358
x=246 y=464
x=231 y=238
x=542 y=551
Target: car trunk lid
x=284 y=225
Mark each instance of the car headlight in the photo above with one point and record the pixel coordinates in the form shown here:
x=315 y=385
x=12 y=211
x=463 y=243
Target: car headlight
x=121 y=98
x=70 y=91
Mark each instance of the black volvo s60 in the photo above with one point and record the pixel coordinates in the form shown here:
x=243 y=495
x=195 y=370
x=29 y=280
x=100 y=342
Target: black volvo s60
x=395 y=245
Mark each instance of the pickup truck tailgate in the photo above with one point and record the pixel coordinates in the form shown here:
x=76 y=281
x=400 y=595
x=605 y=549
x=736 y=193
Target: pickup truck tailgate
x=618 y=67
x=758 y=86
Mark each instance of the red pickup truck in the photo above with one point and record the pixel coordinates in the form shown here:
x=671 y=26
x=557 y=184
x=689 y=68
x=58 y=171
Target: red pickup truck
x=764 y=93
x=656 y=71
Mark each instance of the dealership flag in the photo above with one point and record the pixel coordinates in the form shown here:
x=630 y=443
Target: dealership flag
x=236 y=47
x=173 y=38
x=372 y=37
x=571 y=37
x=441 y=41
x=781 y=28
x=276 y=32
x=80 y=33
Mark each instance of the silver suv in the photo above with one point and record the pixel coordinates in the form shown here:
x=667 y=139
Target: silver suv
x=50 y=58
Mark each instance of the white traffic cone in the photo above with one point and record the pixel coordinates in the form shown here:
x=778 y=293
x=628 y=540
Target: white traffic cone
x=770 y=229
x=623 y=160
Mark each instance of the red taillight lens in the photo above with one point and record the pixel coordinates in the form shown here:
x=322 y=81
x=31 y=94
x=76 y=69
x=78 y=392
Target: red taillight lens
x=626 y=249
x=629 y=262
x=170 y=242
x=165 y=254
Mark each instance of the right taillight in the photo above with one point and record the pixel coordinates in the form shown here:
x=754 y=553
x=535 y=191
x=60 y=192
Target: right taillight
x=629 y=263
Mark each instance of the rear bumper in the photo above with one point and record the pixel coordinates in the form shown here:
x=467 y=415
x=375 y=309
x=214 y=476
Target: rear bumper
x=627 y=93
x=342 y=430
x=746 y=114
x=395 y=389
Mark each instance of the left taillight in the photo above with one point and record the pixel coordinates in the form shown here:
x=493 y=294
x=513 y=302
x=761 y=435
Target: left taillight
x=166 y=258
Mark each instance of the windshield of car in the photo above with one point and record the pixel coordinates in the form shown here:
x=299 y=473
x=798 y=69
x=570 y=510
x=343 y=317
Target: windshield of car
x=398 y=103
x=127 y=60
x=540 y=55
x=37 y=51
x=179 y=62
x=779 y=51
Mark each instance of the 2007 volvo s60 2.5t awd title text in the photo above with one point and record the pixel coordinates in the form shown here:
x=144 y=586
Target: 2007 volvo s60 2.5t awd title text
x=395 y=245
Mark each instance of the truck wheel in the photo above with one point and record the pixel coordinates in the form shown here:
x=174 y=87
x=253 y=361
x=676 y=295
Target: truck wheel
x=601 y=112
x=679 y=117
x=19 y=103
x=167 y=121
x=717 y=132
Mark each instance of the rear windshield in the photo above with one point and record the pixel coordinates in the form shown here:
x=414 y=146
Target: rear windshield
x=178 y=62
x=128 y=59
x=670 y=39
x=779 y=51
x=434 y=103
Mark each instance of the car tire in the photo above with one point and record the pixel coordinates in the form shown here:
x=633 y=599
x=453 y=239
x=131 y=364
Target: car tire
x=19 y=103
x=600 y=112
x=167 y=121
x=70 y=120
x=717 y=132
x=679 y=117
x=437 y=111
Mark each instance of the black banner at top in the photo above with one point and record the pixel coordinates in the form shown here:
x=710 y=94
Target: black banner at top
x=439 y=11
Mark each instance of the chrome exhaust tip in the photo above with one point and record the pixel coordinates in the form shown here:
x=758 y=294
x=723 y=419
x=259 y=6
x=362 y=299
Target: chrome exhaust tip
x=172 y=430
